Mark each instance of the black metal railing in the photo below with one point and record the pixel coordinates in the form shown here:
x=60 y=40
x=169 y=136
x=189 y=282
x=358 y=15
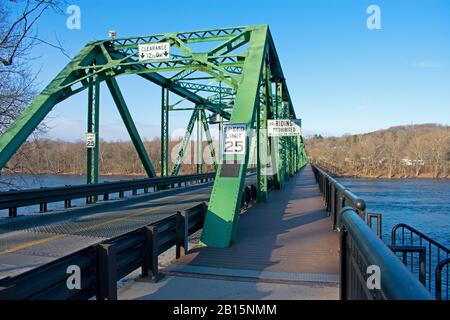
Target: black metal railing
x=337 y=196
x=103 y=264
x=435 y=272
x=12 y=200
x=362 y=251
x=363 y=254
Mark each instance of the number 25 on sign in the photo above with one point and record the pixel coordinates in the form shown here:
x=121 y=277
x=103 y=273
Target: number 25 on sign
x=234 y=139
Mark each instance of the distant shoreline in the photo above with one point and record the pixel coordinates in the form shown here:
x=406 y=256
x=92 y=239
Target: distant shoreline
x=345 y=176
x=396 y=177
x=72 y=174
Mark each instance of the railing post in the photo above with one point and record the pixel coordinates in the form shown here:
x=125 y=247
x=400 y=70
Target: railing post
x=423 y=266
x=150 y=261
x=378 y=217
x=182 y=233
x=438 y=278
x=343 y=290
x=43 y=207
x=12 y=212
x=106 y=272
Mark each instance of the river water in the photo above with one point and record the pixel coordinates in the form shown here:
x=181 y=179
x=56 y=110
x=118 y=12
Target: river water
x=421 y=203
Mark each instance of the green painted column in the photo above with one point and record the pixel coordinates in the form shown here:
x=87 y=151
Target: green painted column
x=164 y=132
x=198 y=144
x=92 y=129
x=262 y=136
x=221 y=220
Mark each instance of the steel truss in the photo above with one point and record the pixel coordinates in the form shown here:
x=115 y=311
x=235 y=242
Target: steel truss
x=246 y=86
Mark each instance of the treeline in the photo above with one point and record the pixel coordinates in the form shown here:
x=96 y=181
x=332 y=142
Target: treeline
x=398 y=152
x=115 y=158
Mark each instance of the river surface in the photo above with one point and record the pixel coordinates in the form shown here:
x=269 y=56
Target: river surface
x=421 y=203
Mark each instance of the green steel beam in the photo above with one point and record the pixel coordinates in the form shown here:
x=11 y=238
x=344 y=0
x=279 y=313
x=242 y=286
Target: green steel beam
x=206 y=88
x=187 y=37
x=224 y=205
x=208 y=137
x=198 y=145
x=93 y=127
x=33 y=115
x=131 y=127
x=184 y=143
x=164 y=132
x=231 y=45
x=261 y=138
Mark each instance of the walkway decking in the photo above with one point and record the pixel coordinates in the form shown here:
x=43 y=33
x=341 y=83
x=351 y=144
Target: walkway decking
x=286 y=241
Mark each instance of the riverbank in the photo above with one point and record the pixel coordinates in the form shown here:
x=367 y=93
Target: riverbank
x=385 y=176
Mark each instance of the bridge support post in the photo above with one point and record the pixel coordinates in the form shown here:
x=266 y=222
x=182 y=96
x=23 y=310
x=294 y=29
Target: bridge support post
x=261 y=135
x=198 y=145
x=92 y=128
x=106 y=272
x=164 y=132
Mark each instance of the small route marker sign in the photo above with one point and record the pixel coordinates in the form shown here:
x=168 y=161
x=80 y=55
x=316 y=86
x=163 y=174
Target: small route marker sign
x=283 y=128
x=234 y=139
x=90 y=140
x=154 y=51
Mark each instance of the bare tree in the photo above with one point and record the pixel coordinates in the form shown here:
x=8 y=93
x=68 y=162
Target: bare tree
x=18 y=35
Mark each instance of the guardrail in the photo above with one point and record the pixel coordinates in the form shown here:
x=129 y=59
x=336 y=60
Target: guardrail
x=102 y=265
x=406 y=235
x=12 y=200
x=337 y=196
x=362 y=252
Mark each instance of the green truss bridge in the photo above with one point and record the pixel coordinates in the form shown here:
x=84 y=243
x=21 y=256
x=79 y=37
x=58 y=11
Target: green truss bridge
x=264 y=215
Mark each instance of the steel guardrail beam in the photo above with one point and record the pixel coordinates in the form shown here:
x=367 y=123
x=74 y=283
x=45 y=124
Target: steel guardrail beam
x=105 y=263
x=22 y=198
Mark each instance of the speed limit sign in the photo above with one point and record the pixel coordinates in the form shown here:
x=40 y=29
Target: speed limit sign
x=90 y=140
x=234 y=139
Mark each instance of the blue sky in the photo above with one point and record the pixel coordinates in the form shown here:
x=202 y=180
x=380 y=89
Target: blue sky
x=343 y=77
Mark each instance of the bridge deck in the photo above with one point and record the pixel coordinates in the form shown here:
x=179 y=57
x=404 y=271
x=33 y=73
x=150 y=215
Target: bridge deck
x=28 y=242
x=287 y=240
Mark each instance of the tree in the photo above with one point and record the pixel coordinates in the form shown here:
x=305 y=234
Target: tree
x=18 y=35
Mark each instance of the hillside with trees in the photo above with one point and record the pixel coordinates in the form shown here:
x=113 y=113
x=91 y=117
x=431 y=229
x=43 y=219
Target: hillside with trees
x=413 y=151
x=45 y=156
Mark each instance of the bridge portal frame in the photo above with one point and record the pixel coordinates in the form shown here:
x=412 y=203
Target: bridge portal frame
x=245 y=68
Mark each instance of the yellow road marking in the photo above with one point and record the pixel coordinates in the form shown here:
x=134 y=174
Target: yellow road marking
x=45 y=240
x=30 y=244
